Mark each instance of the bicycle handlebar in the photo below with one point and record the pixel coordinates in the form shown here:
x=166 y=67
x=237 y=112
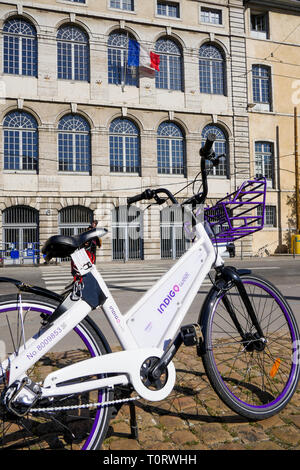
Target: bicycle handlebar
x=145 y=195
x=206 y=153
x=152 y=194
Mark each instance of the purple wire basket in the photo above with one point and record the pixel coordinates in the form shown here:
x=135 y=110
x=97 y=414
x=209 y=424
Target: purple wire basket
x=238 y=214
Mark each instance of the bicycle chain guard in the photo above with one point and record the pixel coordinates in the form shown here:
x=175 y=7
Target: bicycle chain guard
x=123 y=367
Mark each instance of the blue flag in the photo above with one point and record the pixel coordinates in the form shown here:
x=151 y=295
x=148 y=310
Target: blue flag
x=133 y=53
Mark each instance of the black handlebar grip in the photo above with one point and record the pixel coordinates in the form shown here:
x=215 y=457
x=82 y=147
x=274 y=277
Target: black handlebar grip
x=206 y=150
x=147 y=194
x=133 y=199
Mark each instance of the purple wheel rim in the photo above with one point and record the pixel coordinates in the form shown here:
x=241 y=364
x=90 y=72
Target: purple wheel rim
x=91 y=350
x=292 y=332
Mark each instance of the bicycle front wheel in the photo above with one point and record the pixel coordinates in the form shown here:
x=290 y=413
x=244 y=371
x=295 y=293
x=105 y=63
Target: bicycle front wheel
x=55 y=427
x=255 y=379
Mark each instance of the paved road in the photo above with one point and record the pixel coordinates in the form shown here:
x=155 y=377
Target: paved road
x=192 y=418
x=129 y=281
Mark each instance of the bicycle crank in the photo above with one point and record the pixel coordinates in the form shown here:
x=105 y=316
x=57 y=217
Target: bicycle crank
x=150 y=381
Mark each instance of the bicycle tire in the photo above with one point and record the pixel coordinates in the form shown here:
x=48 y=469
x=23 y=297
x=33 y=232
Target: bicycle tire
x=79 y=429
x=255 y=384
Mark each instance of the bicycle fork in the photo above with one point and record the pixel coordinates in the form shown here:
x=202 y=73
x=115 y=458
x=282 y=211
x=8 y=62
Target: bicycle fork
x=251 y=340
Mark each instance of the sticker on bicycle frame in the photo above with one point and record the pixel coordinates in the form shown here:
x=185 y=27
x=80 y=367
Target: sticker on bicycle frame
x=275 y=368
x=82 y=261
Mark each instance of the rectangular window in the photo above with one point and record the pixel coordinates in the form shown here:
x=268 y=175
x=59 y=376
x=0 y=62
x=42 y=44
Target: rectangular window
x=170 y=9
x=118 y=71
x=270 y=215
x=163 y=150
x=259 y=26
x=11 y=55
x=124 y=154
x=264 y=161
x=64 y=61
x=20 y=56
x=122 y=4
x=211 y=76
x=20 y=150
x=72 y=61
x=82 y=153
x=211 y=16
x=170 y=75
x=261 y=82
x=65 y=152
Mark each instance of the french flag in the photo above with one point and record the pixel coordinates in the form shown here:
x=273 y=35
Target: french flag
x=138 y=56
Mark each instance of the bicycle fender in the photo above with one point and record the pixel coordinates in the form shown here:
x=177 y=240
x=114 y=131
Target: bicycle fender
x=37 y=290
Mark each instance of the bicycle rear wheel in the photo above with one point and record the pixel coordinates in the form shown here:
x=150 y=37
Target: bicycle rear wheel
x=254 y=379
x=79 y=428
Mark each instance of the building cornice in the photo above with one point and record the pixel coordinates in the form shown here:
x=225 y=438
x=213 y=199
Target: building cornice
x=290 y=5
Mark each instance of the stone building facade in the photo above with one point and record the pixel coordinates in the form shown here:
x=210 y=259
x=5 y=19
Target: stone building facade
x=81 y=131
x=272 y=41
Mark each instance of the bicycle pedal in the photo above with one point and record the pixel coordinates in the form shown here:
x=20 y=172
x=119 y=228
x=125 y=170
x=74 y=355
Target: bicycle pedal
x=189 y=334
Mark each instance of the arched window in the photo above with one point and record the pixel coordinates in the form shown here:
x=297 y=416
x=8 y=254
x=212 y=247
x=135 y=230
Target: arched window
x=74 y=146
x=220 y=148
x=20 y=141
x=170 y=149
x=124 y=146
x=211 y=70
x=118 y=71
x=170 y=76
x=20 y=47
x=73 y=61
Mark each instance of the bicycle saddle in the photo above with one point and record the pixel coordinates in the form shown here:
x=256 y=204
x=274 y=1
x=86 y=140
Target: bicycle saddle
x=61 y=246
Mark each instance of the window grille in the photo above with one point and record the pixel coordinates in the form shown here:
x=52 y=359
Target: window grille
x=211 y=70
x=20 y=56
x=122 y=4
x=264 y=161
x=173 y=240
x=124 y=146
x=170 y=149
x=72 y=54
x=261 y=80
x=170 y=9
x=74 y=147
x=20 y=141
x=220 y=147
x=170 y=75
x=118 y=71
x=127 y=231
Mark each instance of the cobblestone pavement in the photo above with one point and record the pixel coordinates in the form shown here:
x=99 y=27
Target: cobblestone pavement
x=194 y=418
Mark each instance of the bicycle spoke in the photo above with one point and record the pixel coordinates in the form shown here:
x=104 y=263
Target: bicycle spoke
x=254 y=371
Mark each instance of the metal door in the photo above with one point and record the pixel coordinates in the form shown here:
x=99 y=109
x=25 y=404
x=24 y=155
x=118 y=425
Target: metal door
x=74 y=220
x=127 y=231
x=173 y=242
x=20 y=235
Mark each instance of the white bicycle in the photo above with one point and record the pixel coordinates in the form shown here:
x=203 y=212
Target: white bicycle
x=246 y=335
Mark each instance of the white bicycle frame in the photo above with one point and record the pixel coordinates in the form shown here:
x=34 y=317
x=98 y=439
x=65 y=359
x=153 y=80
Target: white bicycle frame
x=144 y=331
